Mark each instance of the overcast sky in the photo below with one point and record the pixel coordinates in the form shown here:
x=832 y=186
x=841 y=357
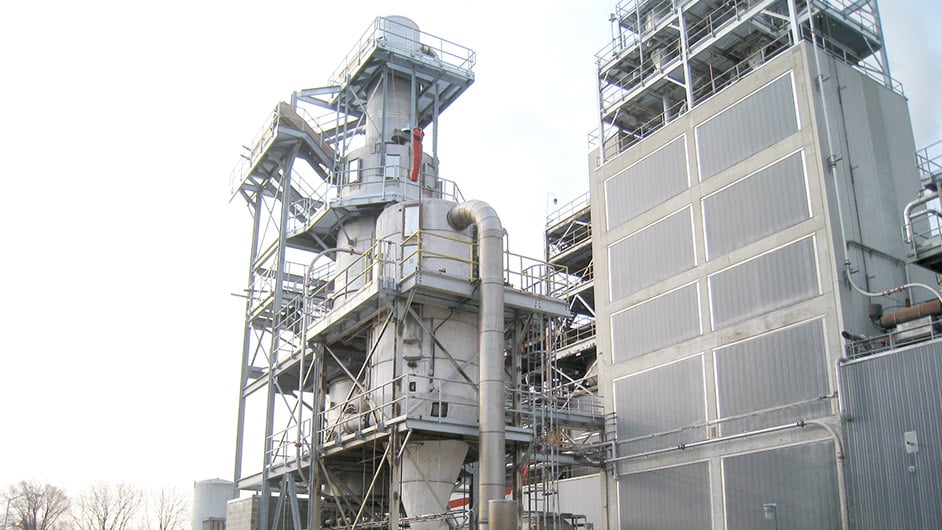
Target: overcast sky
x=119 y=125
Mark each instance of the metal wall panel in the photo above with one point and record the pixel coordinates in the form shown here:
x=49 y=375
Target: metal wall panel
x=742 y=130
x=785 y=369
x=760 y=205
x=676 y=498
x=774 y=280
x=643 y=408
x=647 y=183
x=887 y=397
x=800 y=480
x=656 y=323
x=582 y=495
x=652 y=254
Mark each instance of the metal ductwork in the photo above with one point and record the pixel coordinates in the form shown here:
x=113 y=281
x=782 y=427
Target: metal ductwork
x=492 y=482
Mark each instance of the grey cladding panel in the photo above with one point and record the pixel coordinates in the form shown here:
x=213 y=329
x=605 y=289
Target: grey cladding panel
x=656 y=323
x=800 y=480
x=582 y=496
x=676 y=498
x=667 y=401
x=772 y=281
x=647 y=183
x=747 y=127
x=781 y=368
x=887 y=397
x=653 y=254
x=760 y=205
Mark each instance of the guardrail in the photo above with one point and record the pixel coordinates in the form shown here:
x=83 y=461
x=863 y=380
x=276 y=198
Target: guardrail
x=882 y=343
x=618 y=88
x=391 y=34
x=926 y=232
x=383 y=405
x=929 y=162
x=259 y=144
x=568 y=209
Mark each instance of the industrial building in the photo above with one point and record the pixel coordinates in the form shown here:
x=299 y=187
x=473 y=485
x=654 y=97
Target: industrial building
x=396 y=364
x=734 y=328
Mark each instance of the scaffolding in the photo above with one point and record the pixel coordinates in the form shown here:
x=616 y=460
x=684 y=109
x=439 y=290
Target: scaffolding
x=665 y=56
x=320 y=302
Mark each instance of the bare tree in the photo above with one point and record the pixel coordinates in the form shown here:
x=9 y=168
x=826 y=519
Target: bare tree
x=168 y=510
x=35 y=506
x=106 y=506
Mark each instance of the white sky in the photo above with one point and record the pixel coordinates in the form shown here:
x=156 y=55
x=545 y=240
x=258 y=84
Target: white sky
x=119 y=124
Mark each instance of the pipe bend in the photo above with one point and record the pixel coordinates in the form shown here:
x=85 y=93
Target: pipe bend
x=907 y=212
x=492 y=436
x=478 y=213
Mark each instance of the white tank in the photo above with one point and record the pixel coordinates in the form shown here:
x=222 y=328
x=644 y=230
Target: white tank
x=400 y=33
x=209 y=500
x=395 y=100
x=344 y=407
x=354 y=239
x=433 y=385
x=381 y=176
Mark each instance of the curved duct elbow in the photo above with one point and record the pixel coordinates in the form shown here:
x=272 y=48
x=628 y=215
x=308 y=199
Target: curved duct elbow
x=478 y=213
x=490 y=235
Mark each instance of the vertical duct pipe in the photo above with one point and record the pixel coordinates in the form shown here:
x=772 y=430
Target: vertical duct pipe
x=492 y=481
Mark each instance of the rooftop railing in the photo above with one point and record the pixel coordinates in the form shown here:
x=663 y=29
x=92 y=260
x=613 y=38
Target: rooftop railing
x=389 y=33
x=567 y=209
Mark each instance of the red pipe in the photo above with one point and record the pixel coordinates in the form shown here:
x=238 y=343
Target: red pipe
x=417 y=135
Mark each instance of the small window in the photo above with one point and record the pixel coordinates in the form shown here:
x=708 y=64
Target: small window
x=391 y=167
x=353 y=170
x=440 y=410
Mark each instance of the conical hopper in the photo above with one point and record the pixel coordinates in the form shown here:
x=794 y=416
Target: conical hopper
x=429 y=471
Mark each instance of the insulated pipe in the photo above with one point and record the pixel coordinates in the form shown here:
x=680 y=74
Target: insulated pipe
x=908 y=314
x=888 y=292
x=492 y=481
x=909 y=222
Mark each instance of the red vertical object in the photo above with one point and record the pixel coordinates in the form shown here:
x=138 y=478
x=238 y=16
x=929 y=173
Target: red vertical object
x=417 y=135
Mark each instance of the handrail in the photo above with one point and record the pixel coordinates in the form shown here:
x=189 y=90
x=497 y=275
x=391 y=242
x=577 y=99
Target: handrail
x=868 y=346
x=535 y=405
x=929 y=162
x=575 y=235
x=567 y=337
x=579 y=203
x=618 y=88
x=426 y=45
x=259 y=144
x=923 y=231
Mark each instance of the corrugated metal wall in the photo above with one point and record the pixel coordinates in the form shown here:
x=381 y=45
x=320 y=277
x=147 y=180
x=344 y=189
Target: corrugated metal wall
x=749 y=126
x=800 y=480
x=643 y=408
x=655 y=323
x=676 y=498
x=647 y=183
x=760 y=205
x=887 y=397
x=652 y=254
x=774 y=280
x=783 y=367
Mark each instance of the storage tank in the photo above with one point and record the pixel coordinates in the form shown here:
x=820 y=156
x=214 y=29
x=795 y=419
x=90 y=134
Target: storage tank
x=209 y=502
x=384 y=164
x=343 y=408
x=434 y=384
